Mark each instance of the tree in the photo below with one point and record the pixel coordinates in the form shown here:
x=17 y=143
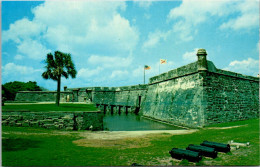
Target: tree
x=57 y=66
x=10 y=89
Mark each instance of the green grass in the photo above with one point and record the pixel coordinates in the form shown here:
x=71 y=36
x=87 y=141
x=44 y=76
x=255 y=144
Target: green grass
x=20 y=102
x=235 y=123
x=49 y=107
x=37 y=147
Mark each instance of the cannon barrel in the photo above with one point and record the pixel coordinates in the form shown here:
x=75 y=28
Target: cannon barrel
x=185 y=154
x=205 y=151
x=220 y=147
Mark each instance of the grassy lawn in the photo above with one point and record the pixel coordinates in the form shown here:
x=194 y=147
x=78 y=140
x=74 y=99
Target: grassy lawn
x=49 y=107
x=20 y=102
x=23 y=146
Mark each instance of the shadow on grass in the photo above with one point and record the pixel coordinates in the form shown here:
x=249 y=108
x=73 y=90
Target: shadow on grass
x=76 y=107
x=18 y=144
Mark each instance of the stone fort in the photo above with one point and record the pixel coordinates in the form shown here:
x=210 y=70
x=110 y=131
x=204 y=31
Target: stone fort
x=194 y=95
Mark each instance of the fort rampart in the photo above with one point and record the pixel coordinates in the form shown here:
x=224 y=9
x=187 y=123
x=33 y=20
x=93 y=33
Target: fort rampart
x=43 y=96
x=230 y=97
x=194 y=95
x=55 y=120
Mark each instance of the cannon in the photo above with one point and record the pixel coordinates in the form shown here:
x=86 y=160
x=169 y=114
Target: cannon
x=185 y=154
x=220 y=147
x=205 y=151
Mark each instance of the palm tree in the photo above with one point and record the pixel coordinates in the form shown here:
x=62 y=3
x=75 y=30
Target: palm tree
x=57 y=66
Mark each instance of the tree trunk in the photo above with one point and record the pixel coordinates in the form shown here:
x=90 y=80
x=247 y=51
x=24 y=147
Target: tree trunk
x=58 y=91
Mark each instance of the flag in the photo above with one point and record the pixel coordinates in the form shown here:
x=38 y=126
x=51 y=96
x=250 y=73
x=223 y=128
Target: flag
x=146 y=67
x=163 y=61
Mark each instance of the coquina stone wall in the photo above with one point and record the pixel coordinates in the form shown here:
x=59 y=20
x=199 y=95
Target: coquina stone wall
x=230 y=97
x=177 y=100
x=55 y=120
x=193 y=95
x=43 y=96
x=199 y=94
x=82 y=94
x=177 y=96
x=119 y=99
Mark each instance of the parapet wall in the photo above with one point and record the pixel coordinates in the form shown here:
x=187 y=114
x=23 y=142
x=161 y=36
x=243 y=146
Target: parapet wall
x=55 y=120
x=43 y=96
x=235 y=75
x=178 y=72
x=188 y=69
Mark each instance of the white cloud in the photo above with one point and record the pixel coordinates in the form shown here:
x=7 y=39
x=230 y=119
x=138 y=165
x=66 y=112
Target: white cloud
x=74 y=27
x=33 y=49
x=117 y=33
x=77 y=13
x=184 y=30
x=244 y=21
x=87 y=73
x=193 y=13
x=119 y=74
x=257 y=46
x=248 y=67
x=87 y=77
x=14 y=72
x=190 y=14
x=143 y=4
x=22 y=29
x=248 y=18
x=154 y=38
x=81 y=28
x=156 y=69
x=5 y=53
x=199 y=11
x=77 y=25
x=189 y=57
x=13 y=69
x=245 y=63
x=18 y=57
x=147 y=16
x=110 y=62
x=138 y=71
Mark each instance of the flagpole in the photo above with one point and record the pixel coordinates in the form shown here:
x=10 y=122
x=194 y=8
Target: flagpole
x=159 y=67
x=144 y=75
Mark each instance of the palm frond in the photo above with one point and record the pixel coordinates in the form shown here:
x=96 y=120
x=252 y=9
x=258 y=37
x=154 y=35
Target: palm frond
x=45 y=75
x=65 y=74
x=59 y=65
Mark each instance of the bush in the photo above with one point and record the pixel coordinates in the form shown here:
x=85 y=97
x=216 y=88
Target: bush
x=10 y=89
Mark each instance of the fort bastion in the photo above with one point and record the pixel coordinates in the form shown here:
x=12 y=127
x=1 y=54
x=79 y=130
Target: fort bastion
x=194 y=95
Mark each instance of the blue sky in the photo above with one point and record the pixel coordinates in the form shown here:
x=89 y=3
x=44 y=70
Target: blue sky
x=111 y=41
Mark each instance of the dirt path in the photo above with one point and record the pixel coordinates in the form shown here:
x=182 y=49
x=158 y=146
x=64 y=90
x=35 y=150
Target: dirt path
x=229 y=127
x=115 y=139
x=107 y=135
x=124 y=139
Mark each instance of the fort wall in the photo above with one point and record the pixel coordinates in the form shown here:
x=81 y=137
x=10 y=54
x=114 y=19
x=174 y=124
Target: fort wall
x=177 y=100
x=119 y=99
x=230 y=97
x=194 y=95
x=43 y=96
x=55 y=120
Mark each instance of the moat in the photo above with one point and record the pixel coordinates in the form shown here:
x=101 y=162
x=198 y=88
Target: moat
x=133 y=122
